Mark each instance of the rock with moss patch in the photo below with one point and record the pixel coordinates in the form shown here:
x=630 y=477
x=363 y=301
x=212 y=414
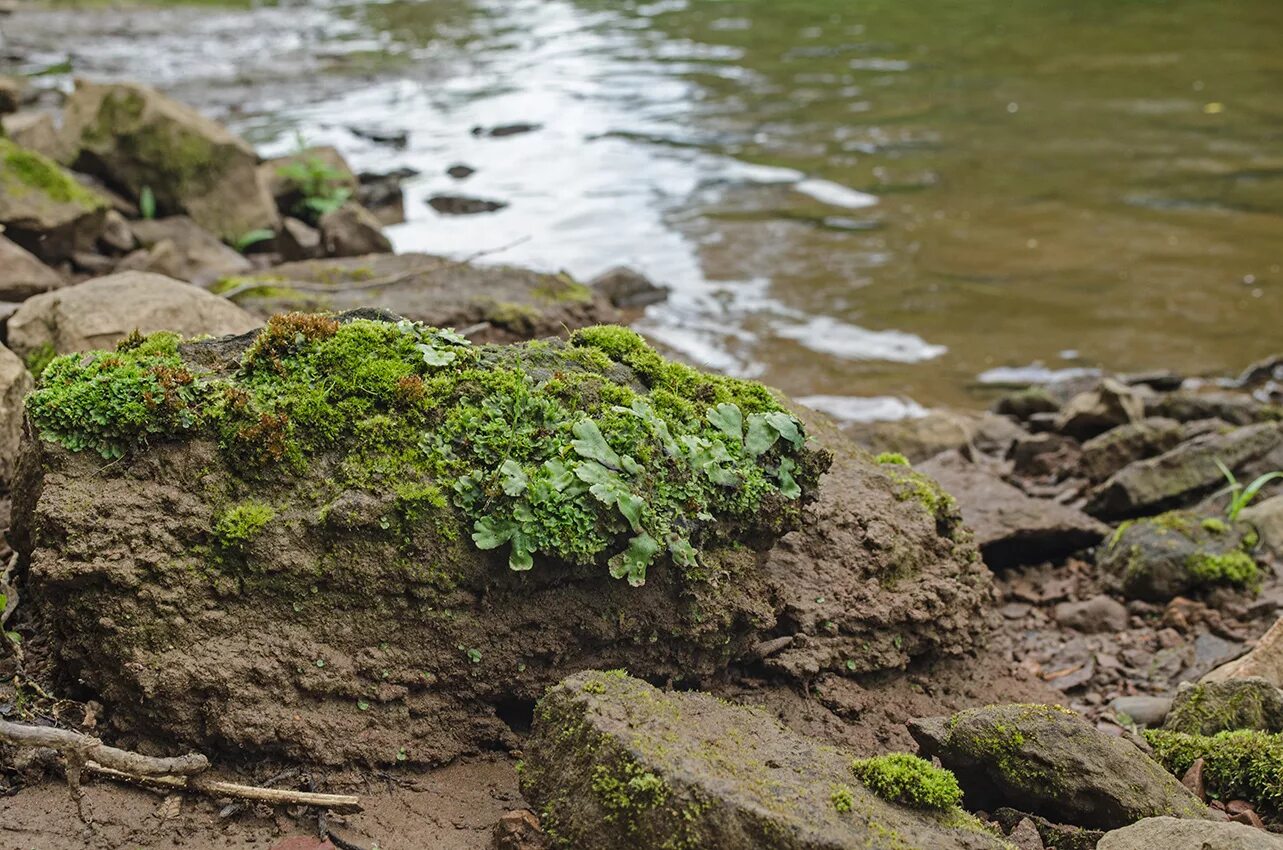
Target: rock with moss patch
x=365 y=540
x=1242 y=764
x=43 y=208
x=136 y=138
x=1173 y=833
x=1211 y=707
x=1161 y=557
x=1051 y=762
x=613 y=762
x=499 y=303
x=102 y=311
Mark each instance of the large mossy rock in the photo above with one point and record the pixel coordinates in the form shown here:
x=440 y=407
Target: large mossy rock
x=43 y=208
x=613 y=762
x=1051 y=762
x=1158 y=558
x=1173 y=833
x=1210 y=707
x=135 y=138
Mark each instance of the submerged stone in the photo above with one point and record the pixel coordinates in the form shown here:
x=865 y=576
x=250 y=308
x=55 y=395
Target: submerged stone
x=613 y=762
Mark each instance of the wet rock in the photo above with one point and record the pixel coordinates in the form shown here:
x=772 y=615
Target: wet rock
x=461 y=172
x=22 y=274
x=1241 y=703
x=463 y=205
x=1108 y=406
x=43 y=208
x=1158 y=558
x=1010 y=527
x=939 y=431
x=352 y=231
x=133 y=136
x=1098 y=614
x=502 y=130
x=1051 y=762
x=500 y=303
x=518 y=830
x=1265 y=660
x=100 y=312
x=392 y=138
x=1165 y=832
x=1161 y=380
x=1109 y=452
x=382 y=194
x=1143 y=711
x=628 y=289
x=610 y=764
x=35 y=131
x=1234 y=408
x=298 y=240
x=1266 y=517
x=180 y=248
x=319 y=169
x=1182 y=473
x=1022 y=404
x=15 y=383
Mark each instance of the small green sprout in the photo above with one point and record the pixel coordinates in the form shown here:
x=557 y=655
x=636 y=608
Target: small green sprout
x=1241 y=496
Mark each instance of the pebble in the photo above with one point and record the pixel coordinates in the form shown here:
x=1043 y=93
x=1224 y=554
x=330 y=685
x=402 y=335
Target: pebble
x=1145 y=711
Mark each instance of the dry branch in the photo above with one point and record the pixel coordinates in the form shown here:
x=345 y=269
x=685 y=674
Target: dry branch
x=218 y=788
x=92 y=749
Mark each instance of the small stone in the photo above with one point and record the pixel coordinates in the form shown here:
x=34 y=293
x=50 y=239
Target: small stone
x=1098 y=614
x=461 y=172
x=1193 y=780
x=518 y=830
x=462 y=205
x=1248 y=818
x=1144 y=711
x=1025 y=836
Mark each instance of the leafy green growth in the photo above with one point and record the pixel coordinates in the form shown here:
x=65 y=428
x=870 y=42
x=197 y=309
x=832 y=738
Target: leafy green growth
x=545 y=449
x=147 y=204
x=843 y=799
x=893 y=459
x=1241 y=496
x=242 y=523
x=1242 y=764
x=322 y=187
x=1236 y=568
x=909 y=780
x=40 y=357
x=251 y=238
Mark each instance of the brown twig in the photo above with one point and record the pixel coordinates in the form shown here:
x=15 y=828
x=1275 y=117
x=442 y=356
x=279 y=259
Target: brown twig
x=378 y=282
x=89 y=749
x=218 y=788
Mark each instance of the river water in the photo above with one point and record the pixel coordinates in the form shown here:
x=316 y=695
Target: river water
x=874 y=204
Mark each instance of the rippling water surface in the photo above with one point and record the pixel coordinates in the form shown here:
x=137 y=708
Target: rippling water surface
x=876 y=204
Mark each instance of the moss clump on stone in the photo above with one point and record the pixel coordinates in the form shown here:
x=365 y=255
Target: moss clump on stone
x=1215 y=525
x=892 y=459
x=241 y=523
x=1211 y=707
x=1237 y=569
x=842 y=798
x=545 y=449
x=23 y=171
x=40 y=357
x=1242 y=764
x=909 y=780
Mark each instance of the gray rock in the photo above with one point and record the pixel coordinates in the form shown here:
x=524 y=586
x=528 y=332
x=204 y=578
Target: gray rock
x=1158 y=558
x=15 y=383
x=1234 y=408
x=35 y=131
x=1182 y=473
x=1109 y=452
x=1210 y=707
x=1047 y=455
x=180 y=248
x=1144 y=711
x=628 y=289
x=43 y=208
x=1023 y=404
x=352 y=231
x=1011 y=527
x=1266 y=517
x=1098 y=614
x=22 y=275
x=1163 y=833
x=1094 y=412
x=12 y=93
x=1053 y=763
x=1265 y=660
x=117 y=235
x=939 y=431
x=613 y=762
x=298 y=240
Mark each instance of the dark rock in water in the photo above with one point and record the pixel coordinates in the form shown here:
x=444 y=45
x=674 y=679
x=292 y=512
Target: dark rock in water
x=628 y=289
x=1262 y=371
x=1211 y=707
x=1012 y=528
x=460 y=171
x=1160 y=380
x=1023 y=404
x=1183 y=473
x=1109 y=452
x=1163 y=833
x=1108 y=406
x=461 y=205
x=352 y=231
x=500 y=303
x=1098 y=614
x=393 y=138
x=382 y=194
x=182 y=249
x=1051 y=762
x=615 y=763
x=1161 y=557
x=503 y=130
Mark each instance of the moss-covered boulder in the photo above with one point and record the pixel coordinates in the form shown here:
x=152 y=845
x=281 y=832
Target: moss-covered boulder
x=1174 y=553
x=1211 y=707
x=366 y=540
x=613 y=762
x=136 y=138
x=43 y=208
x=1051 y=762
x=497 y=303
x=1238 y=765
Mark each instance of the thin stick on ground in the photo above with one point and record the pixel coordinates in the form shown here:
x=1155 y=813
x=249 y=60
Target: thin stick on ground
x=217 y=788
x=376 y=283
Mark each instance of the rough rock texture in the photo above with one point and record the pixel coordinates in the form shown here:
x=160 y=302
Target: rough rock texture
x=1265 y=660
x=22 y=275
x=43 y=208
x=298 y=240
x=1235 y=408
x=15 y=383
x=1100 y=613
x=133 y=136
x=35 y=131
x=180 y=248
x=883 y=572
x=1184 y=472
x=1266 y=516
x=939 y=431
x=353 y=231
x=1105 y=454
x=1010 y=527
x=506 y=302
x=1108 y=406
x=1241 y=703
x=1172 y=833
x=1161 y=557
x=99 y=312
x=1053 y=763
x=613 y=762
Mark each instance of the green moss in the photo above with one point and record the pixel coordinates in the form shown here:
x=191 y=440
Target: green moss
x=912 y=485
x=1215 y=525
x=892 y=459
x=909 y=780
x=1206 y=709
x=843 y=799
x=23 y=171
x=39 y=358
x=562 y=289
x=1235 y=568
x=241 y=523
x=540 y=449
x=1244 y=764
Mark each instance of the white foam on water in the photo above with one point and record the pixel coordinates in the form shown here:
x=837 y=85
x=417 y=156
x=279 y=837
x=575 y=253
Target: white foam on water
x=883 y=408
x=851 y=342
